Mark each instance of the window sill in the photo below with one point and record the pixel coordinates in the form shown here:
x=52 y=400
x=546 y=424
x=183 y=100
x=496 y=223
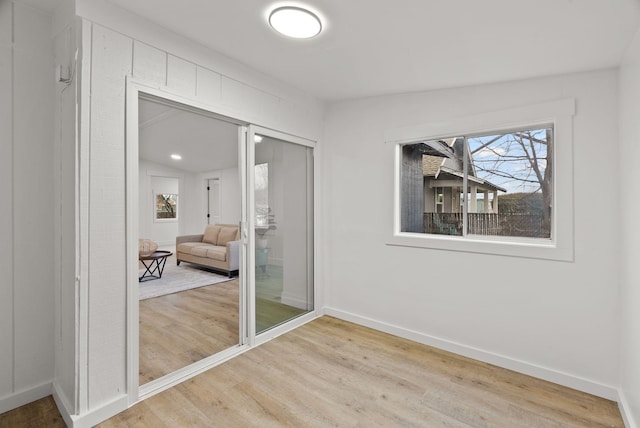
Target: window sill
x=502 y=246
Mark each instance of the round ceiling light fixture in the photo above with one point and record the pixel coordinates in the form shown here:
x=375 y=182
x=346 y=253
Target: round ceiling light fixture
x=295 y=22
x=176 y=156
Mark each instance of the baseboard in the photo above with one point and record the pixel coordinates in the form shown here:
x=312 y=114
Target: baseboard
x=545 y=373
x=100 y=414
x=65 y=409
x=625 y=411
x=25 y=396
x=295 y=301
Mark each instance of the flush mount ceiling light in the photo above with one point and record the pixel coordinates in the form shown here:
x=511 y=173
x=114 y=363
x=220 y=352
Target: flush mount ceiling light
x=176 y=157
x=295 y=22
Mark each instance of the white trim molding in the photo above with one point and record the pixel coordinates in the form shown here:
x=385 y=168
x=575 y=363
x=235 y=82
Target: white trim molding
x=26 y=396
x=559 y=113
x=625 y=411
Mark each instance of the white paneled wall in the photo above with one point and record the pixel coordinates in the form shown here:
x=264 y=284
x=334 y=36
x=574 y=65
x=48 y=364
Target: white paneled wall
x=65 y=219
x=6 y=215
x=26 y=217
x=114 y=56
x=111 y=62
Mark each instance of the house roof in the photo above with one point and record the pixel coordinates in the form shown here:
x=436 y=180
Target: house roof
x=431 y=165
x=440 y=168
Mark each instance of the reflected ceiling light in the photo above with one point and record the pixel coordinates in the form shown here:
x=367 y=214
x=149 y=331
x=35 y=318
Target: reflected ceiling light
x=257 y=138
x=176 y=157
x=295 y=22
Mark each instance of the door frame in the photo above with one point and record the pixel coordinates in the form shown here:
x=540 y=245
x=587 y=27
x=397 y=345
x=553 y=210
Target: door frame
x=136 y=88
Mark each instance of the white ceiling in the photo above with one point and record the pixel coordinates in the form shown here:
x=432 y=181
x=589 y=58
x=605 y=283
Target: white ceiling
x=205 y=144
x=372 y=47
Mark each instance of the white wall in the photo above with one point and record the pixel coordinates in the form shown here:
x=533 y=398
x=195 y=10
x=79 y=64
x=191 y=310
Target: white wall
x=630 y=235
x=28 y=207
x=183 y=68
x=556 y=320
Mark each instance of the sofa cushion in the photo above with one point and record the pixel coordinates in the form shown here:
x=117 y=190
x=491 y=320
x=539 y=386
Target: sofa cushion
x=186 y=247
x=211 y=234
x=217 y=253
x=200 y=251
x=227 y=234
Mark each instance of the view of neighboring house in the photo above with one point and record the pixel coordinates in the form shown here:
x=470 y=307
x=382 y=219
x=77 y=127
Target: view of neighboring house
x=510 y=166
x=443 y=183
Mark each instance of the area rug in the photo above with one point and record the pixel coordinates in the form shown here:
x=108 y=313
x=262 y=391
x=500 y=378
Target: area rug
x=178 y=278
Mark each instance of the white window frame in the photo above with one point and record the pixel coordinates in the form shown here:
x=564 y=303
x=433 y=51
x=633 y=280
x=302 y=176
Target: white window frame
x=561 y=245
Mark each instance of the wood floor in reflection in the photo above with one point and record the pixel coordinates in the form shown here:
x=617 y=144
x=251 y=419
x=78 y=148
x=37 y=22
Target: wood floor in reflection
x=181 y=328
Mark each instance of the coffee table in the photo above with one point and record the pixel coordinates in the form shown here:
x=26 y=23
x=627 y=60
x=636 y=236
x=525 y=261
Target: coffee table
x=155 y=266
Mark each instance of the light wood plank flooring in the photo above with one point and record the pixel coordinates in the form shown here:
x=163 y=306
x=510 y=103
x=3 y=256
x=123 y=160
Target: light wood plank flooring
x=181 y=328
x=42 y=413
x=334 y=373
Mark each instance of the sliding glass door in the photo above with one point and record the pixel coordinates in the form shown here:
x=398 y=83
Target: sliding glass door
x=281 y=254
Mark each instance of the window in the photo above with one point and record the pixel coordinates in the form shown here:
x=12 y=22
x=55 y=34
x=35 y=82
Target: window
x=166 y=206
x=490 y=184
x=497 y=183
x=262 y=195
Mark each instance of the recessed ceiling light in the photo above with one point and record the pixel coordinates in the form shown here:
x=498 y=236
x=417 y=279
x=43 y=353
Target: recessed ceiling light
x=295 y=22
x=176 y=157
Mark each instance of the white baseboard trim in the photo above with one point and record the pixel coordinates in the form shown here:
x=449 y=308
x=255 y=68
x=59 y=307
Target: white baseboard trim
x=295 y=301
x=625 y=411
x=26 y=396
x=531 y=369
x=100 y=414
x=65 y=409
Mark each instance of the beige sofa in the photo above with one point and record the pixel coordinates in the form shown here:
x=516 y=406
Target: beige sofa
x=217 y=248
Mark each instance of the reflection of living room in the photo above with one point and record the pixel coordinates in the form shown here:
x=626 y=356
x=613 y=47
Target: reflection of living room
x=189 y=204
x=191 y=312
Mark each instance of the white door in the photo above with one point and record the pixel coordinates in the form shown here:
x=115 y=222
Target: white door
x=213 y=192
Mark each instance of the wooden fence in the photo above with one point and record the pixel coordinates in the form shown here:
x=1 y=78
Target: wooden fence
x=524 y=225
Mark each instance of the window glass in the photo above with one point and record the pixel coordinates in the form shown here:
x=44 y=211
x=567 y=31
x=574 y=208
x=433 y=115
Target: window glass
x=494 y=184
x=166 y=206
x=262 y=195
x=515 y=183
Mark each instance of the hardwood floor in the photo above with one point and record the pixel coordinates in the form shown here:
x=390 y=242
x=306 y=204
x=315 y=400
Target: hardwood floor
x=181 y=328
x=42 y=413
x=334 y=373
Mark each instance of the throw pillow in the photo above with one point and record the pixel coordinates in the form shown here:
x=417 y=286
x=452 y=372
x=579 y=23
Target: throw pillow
x=211 y=234
x=227 y=234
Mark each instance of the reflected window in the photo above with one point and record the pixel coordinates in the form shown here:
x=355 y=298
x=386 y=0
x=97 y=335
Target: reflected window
x=166 y=206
